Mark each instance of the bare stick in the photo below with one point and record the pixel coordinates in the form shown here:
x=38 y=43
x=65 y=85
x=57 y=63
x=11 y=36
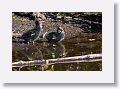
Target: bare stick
x=84 y=58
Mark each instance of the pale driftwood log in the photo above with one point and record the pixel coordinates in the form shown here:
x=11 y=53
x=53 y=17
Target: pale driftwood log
x=85 y=58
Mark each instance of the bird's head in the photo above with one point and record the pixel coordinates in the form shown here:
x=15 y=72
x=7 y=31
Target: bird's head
x=60 y=29
x=38 y=22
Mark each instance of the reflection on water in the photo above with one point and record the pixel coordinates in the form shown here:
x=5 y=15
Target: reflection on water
x=56 y=50
x=45 y=51
x=95 y=66
x=26 y=53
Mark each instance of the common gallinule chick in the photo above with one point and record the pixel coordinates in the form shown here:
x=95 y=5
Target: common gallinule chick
x=32 y=35
x=57 y=36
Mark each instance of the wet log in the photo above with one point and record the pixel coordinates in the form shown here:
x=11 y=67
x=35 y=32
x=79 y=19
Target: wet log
x=84 y=58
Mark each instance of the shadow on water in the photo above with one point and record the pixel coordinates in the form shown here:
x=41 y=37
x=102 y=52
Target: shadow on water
x=45 y=51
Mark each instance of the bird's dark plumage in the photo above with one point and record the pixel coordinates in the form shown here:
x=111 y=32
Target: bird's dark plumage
x=56 y=36
x=33 y=34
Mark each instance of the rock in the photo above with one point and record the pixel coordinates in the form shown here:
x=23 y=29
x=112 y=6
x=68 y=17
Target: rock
x=40 y=15
x=58 y=17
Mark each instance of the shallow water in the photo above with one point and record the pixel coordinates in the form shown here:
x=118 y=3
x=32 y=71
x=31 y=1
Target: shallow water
x=45 y=51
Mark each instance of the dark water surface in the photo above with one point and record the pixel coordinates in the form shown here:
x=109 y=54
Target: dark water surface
x=45 y=51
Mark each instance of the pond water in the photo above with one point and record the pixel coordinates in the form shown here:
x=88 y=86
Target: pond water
x=45 y=51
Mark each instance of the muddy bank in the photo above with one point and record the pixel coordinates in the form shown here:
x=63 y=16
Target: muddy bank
x=87 y=21
x=76 y=25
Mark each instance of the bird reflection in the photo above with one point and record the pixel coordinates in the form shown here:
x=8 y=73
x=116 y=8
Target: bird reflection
x=32 y=52
x=26 y=52
x=57 y=50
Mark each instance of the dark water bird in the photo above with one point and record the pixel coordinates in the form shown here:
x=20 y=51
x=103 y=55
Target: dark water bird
x=56 y=36
x=32 y=35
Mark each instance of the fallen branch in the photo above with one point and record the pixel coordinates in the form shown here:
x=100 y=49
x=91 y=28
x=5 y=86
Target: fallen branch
x=85 y=58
